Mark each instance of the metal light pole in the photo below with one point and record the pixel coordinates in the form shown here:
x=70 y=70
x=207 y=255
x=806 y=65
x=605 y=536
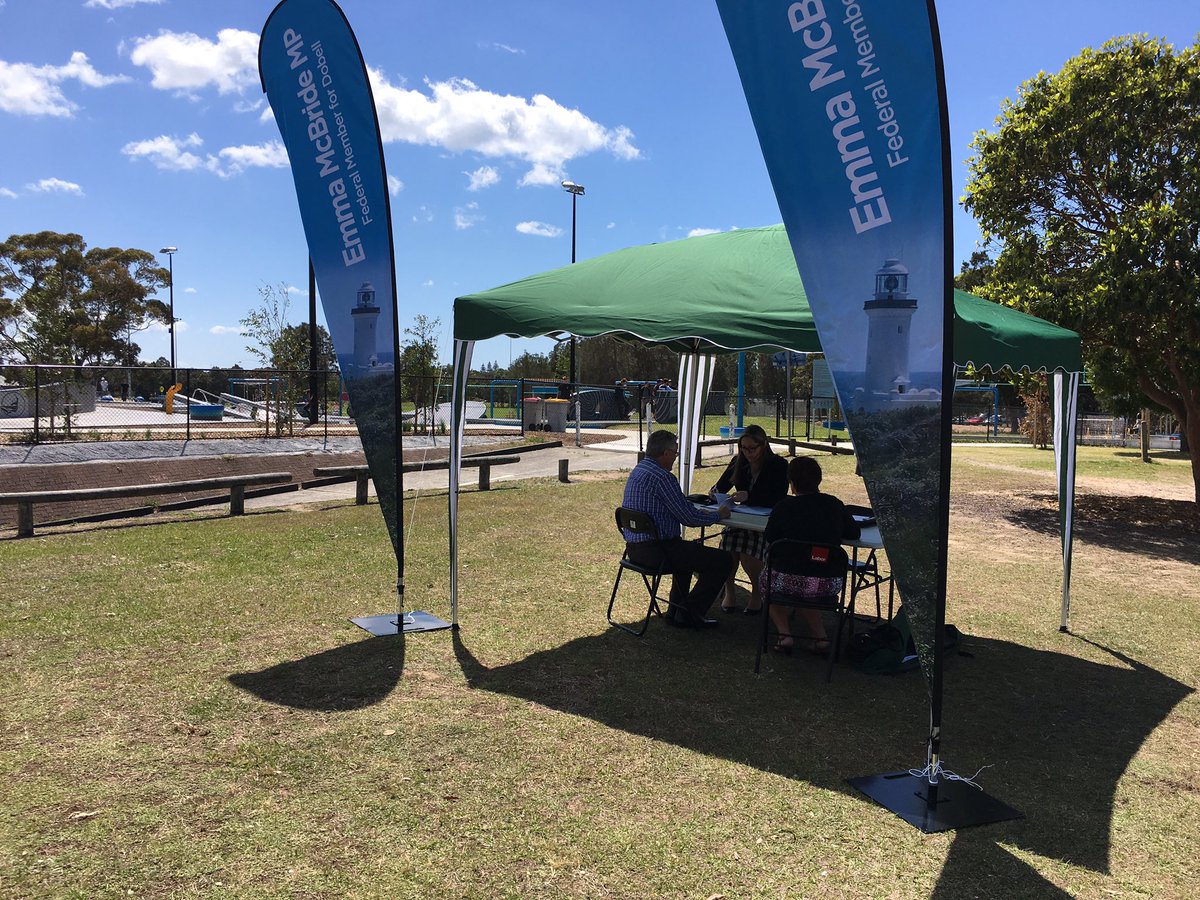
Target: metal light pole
x=171 y=251
x=576 y=191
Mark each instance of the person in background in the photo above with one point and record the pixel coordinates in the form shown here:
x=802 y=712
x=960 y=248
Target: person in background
x=646 y=397
x=808 y=515
x=757 y=477
x=653 y=490
x=103 y=386
x=621 y=401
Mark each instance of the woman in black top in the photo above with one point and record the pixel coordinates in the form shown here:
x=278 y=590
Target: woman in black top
x=758 y=478
x=808 y=515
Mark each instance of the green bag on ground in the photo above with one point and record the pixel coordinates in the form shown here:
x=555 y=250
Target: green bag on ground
x=886 y=648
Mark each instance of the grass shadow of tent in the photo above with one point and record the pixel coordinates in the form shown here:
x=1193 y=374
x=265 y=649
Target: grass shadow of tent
x=352 y=676
x=1145 y=525
x=1059 y=729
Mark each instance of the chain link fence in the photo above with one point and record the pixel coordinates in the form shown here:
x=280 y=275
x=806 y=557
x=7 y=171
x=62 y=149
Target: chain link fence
x=43 y=403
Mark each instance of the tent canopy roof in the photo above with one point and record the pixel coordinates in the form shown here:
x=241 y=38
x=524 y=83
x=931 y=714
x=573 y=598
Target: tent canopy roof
x=736 y=290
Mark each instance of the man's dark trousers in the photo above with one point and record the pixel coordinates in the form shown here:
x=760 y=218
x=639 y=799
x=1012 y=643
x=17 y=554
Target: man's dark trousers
x=710 y=566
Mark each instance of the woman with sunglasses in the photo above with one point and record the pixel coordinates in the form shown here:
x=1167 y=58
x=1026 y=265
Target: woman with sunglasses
x=759 y=478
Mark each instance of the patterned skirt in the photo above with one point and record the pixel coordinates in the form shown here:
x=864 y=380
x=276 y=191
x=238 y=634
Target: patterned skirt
x=785 y=583
x=739 y=540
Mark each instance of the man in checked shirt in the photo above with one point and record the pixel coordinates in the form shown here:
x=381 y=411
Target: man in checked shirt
x=653 y=490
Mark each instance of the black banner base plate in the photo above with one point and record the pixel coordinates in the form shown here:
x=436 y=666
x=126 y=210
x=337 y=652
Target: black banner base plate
x=382 y=626
x=947 y=806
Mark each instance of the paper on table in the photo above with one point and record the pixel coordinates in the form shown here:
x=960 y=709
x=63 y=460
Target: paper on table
x=755 y=510
x=721 y=499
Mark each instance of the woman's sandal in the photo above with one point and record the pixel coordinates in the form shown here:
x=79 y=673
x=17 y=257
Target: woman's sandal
x=781 y=647
x=815 y=646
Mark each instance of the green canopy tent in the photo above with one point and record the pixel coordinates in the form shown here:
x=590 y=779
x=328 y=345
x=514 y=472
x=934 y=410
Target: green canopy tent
x=726 y=292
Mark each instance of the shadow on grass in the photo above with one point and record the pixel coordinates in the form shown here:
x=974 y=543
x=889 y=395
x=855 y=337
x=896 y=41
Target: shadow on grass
x=1059 y=730
x=352 y=676
x=1155 y=454
x=1145 y=525
x=126 y=520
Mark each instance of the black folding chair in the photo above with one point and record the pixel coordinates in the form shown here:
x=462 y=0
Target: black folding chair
x=638 y=523
x=809 y=559
x=864 y=573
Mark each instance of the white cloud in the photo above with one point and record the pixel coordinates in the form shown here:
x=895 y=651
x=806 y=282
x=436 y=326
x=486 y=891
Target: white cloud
x=395 y=185
x=175 y=154
x=505 y=47
x=180 y=327
x=27 y=90
x=187 y=62
x=459 y=117
x=167 y=152
x=5 y=192
x=484 y=176
x=296 y=292
x=245 y=106
x=541 y=229
x=271 y=155
x=455 y=114
x=464 y=218
x=55 y=186
x=118 y=4
x=225 y=329
x=428 y=283
x=189 y=290
x=696 y=232
x=423 y=214
x=611 y=225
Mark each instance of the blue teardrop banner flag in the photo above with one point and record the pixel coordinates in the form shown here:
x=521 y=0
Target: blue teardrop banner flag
x=848 y=101
x=316 y=82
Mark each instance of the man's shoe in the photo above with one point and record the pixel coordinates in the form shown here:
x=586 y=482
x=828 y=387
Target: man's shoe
x=675 y=620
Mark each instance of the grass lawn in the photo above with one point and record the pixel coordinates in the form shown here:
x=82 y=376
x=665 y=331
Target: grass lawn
x=186 y=711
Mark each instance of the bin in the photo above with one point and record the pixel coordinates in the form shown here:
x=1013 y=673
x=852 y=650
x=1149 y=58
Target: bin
x=210 y=411
x=531 y=414
x=556 y=414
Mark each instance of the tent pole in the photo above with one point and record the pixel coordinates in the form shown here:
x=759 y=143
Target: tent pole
x=1066 y=406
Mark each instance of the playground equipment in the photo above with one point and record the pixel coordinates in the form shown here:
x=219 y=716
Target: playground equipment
x=169 y=398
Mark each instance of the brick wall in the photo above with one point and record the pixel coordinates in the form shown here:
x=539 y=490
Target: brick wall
x=67 y=476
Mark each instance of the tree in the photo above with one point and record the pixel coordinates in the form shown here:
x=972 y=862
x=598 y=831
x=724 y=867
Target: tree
x=418 y=363
x=1090 y=186
x=975 y=274
x=63 y=303
x=531 y=365
x=281 y=345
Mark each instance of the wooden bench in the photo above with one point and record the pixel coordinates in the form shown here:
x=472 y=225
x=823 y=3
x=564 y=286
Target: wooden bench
x=236 y=484
x=362 y=474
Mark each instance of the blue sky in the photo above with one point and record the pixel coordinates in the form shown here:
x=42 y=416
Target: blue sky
x=139 y=123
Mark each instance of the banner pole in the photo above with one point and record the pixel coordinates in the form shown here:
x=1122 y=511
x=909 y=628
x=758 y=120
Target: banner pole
x=308 y=53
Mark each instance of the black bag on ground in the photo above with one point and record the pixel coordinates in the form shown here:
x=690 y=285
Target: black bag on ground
x=889 y=647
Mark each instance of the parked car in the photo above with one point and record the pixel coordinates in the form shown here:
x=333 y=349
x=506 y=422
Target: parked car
x=979 y=420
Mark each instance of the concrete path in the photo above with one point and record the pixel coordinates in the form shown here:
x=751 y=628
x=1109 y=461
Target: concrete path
x=611 y=456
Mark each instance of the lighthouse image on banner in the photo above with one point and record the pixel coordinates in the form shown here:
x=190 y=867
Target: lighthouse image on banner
x=364 y=360
x=886 y=381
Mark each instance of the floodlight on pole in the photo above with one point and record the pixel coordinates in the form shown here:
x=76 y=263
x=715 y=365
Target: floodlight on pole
x=576 y=191
x=171 y=251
